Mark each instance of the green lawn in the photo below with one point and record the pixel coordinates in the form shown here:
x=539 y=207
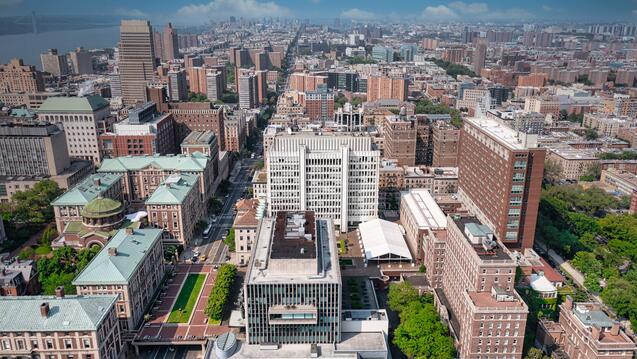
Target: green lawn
x=187 y=299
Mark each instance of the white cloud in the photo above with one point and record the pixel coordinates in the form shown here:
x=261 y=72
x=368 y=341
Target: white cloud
x=469 y=8
x=358 y=14
x=200 y=13
x=439 y=12
x=476 y=11
x=508 y=14
x=547 y=8
x=131 y=13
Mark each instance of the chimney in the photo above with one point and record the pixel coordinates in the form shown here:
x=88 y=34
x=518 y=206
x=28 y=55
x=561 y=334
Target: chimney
x=568 y=303
x=614 y=330
x=44 y=310
x=595 y=332
x=59 y=292
x=112 y=251
x=130 y=231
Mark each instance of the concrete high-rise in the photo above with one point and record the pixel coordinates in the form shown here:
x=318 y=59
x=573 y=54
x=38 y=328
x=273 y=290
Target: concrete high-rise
x=335 y=175
x=479 y=56
x=500 y=179
x=214 y=90
x=136 y=59
x=83 y=119
x=170 y=46
x=32 y=150
x=18 y=77
x=82 y=61
x=295 y=253
x=248 y=91
x=54 y=63
x=177 y=85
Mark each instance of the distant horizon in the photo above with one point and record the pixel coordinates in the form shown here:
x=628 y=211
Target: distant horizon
x=194 y=13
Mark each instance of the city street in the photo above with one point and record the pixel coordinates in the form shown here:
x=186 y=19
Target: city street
x=213 y=248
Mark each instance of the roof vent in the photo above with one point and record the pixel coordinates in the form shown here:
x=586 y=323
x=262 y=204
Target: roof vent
x=130 y=231
x=112 y=251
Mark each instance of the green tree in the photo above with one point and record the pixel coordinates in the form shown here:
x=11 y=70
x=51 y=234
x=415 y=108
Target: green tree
x=621 y=295
x=421 y=334
x=360 y=60
x=535 y=353
x=220 y=292
x=197 y=97
x=624 y=155
x=400 y=295
x=552 y=171
x=170 y=252
x=27 y=253
x=230 y=73
x=453 y=69
x=62 y=267
x=229 y=241
x=590 y=134
x=591 y=282
x=592 y=174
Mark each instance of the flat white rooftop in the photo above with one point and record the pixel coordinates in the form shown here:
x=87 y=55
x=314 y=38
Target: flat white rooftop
x=426 y=211
x=367 y=344
x=268 y=265
x=505 y=135
x=575 y=153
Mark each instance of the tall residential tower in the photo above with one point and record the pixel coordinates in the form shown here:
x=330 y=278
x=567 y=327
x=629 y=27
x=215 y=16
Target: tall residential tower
x=136 y=59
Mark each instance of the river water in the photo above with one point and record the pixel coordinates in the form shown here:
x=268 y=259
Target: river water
x=30 y=46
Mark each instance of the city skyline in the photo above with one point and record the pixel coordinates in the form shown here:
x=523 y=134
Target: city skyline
x=189 y=12
x=310 y=179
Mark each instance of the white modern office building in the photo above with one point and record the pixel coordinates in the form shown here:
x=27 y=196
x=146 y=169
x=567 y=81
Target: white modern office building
x=335 y=175
x=293 y=286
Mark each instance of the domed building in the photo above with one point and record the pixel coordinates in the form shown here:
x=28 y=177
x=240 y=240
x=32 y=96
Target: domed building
x=101 y=217
x=102 y=214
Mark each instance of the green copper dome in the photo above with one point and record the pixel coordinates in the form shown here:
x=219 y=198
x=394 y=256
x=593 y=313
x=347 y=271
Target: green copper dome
x=102 y=207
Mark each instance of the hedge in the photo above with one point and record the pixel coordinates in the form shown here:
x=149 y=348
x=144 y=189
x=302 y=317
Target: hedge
x=220 y=292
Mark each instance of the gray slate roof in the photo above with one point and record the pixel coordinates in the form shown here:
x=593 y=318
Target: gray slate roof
x=71 y=313
x=119 y=269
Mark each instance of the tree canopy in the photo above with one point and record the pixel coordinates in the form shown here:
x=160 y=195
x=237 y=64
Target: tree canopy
x=453 y=69
x=62 y=266
x=420 y=334
x=585 y=227
x=425 y=106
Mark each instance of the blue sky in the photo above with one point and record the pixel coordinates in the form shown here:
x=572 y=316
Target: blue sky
x=186 y=12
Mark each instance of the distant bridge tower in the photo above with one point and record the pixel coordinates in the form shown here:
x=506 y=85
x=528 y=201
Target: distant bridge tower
x=34 y=22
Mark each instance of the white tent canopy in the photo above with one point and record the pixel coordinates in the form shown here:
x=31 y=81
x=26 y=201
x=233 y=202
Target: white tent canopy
x=383 y=240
